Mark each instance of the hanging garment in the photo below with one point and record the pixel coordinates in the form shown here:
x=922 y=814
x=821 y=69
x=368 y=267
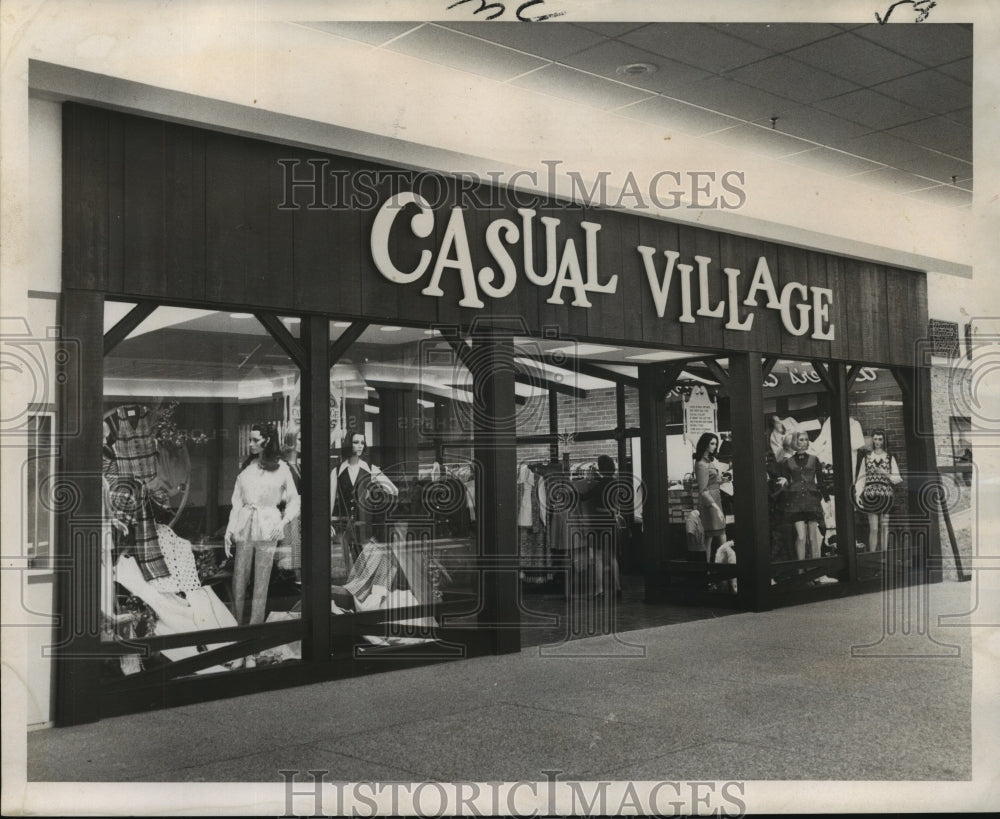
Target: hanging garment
x=873 y=489
x=525 y=489
x=179 y=557
x=129 y=460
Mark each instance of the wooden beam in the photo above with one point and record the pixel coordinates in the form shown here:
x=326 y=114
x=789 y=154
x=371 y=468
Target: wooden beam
x=591 y=369
x=345 y=340
x=289 y=343
x=717 y=371
x=136 y=316
x=824 y=376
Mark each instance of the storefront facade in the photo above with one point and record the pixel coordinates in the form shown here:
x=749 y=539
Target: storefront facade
x=213 y=284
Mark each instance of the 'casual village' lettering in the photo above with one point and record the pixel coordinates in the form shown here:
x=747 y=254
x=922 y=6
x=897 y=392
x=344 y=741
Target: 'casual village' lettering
x=804 y=309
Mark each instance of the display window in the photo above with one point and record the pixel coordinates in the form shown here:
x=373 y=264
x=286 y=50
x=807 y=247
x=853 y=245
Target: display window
x=704 y=538
x=879 y=465
x=403 y=483
x=201 y=468
x=801 y=471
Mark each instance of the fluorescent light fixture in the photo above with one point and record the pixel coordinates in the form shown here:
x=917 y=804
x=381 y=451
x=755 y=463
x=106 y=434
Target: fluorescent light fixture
x=662 y=355
x=241 y=315
x=291 y=319
x=341 y=324
x=584 y=349
x=371 y=410
x=423 y=402
x=390 y=329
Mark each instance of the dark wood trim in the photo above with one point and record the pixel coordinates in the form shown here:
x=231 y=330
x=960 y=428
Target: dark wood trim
x=717 y=372
x=496 y=503
x=289 y=343
x=461 y=349
x=340 y=346
x=840 y=428
x=136 y=316
x=544 y=383
x=78 y=534
x=769 y=364
x=824 y=376
x=592 y=369
x=852 y=375
x=753 y=546
x=316 y=488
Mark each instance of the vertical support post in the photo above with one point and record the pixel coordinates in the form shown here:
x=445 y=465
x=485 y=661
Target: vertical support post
x=315 y=432
x=554 y=425
x=753 y=549
x=79 y=535
x=652 y=419
x=915 y=383
x=843 y=477
x=399 y=424
x=495 y=415
x=620 y=424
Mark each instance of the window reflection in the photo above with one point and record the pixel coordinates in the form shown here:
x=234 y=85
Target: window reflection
x=201 y=474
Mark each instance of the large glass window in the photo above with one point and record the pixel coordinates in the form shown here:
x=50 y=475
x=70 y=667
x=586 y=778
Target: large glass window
x=201 y=464
x=879 y=463
x=403 y=480
x=800 y=470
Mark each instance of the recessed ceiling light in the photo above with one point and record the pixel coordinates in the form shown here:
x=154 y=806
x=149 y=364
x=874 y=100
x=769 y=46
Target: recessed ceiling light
x=390 y=329
x=636 y=69
x=341 y=324
x=241 y=315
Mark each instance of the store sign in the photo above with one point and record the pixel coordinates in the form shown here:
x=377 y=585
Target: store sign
x=803 y=309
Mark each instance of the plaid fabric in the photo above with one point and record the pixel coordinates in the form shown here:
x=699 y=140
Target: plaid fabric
x=134 y=444
x=134 y=449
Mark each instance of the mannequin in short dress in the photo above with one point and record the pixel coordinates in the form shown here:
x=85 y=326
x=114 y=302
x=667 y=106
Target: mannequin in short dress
x=873 y=490
x=709 y=479
x=798 y=477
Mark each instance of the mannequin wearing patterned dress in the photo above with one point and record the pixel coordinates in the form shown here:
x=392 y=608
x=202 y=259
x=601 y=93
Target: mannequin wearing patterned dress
x=877 y=474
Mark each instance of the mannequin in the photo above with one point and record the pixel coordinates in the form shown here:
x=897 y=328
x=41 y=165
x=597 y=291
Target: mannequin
x=708 y=476
x=355 y=485
x=799 y=482
x=256 y=523
x=877 y=474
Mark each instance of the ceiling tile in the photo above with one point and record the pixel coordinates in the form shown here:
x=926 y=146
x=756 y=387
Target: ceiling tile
x=734 y=99
x=695 y=44
x=894 y=180
x=960 y=69
x=938 y=134
x=670 y=113
x=570 y=84
x=930 y=90
x=833 y=162
x=605 y=59
x=450 y=48
x=610 y=29
x=936 y=166
x=872 y=109
x=778 y=37
x=927 y=43
x=811 y=123
x=855 y=59
x=788 y=78
x=761 y=140
x=551 y=41
x=374 y=33
x=879 y=147
x=947 y=195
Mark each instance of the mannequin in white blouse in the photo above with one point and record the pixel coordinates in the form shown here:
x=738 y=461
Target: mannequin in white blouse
x=256 y=523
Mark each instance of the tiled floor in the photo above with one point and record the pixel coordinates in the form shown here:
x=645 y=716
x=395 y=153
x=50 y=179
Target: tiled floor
x=769 y=696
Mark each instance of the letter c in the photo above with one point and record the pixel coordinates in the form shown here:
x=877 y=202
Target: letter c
x=422 y=225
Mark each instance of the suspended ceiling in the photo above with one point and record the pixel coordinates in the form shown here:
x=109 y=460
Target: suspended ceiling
x=887 y=106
